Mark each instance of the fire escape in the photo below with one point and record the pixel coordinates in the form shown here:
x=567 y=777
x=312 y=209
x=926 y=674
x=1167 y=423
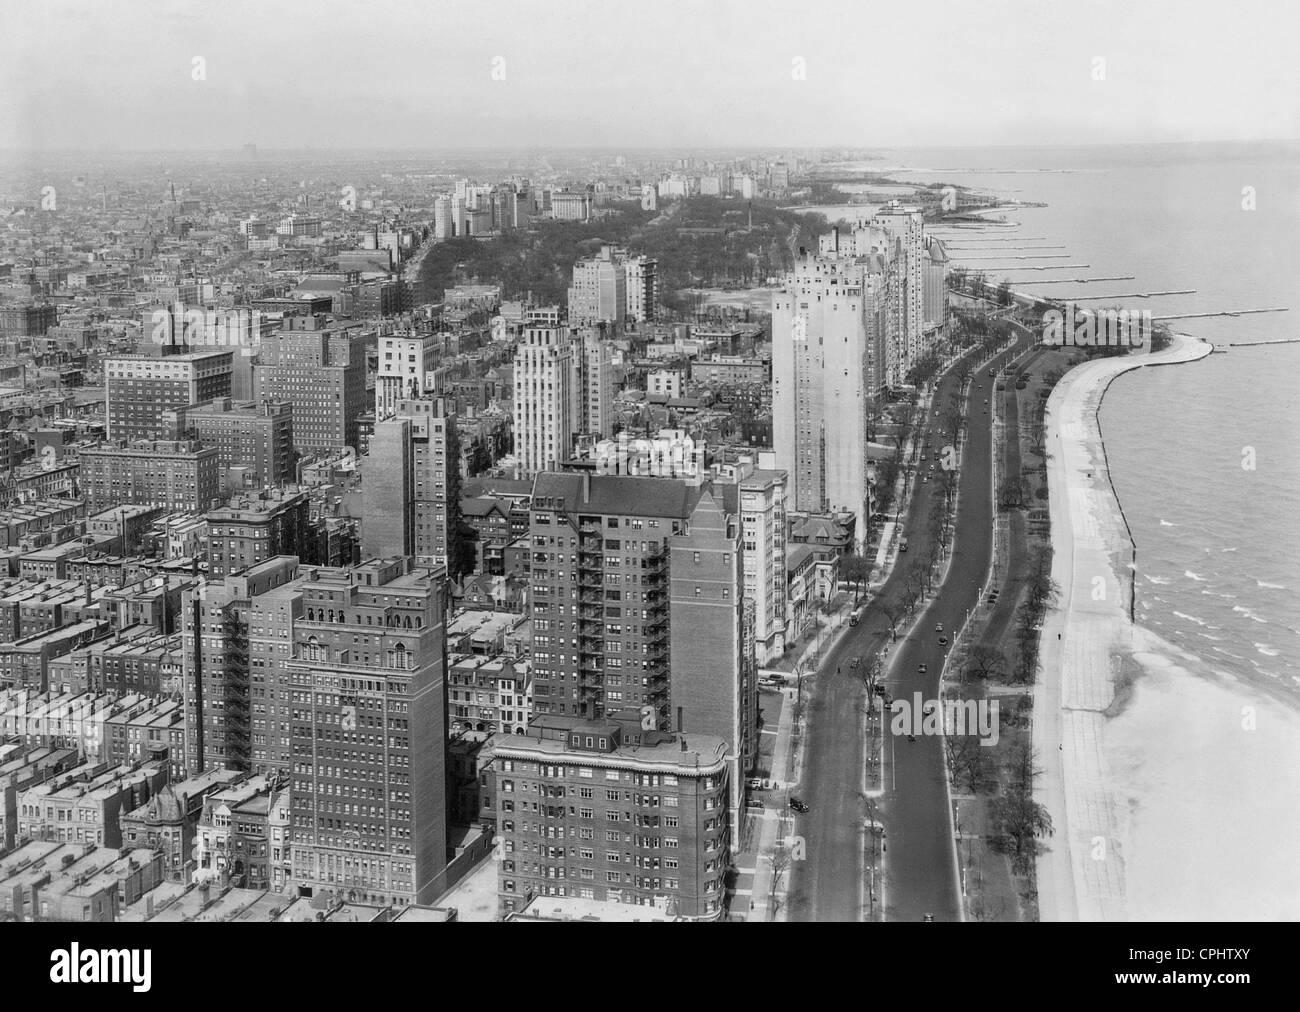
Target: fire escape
x=591 y=611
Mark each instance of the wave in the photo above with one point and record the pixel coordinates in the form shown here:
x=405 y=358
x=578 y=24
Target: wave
x=1215 y=593
x=1207 y=636
x=1166 y=523
x=1199 y=579
x=1266 y=650
x=1249 y=614
x=1227 y=549
x=1161 y=580
x=1192 y=618
x=1269 y=586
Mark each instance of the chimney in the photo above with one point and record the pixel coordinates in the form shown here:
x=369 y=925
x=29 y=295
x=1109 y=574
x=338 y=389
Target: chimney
x=680 y=728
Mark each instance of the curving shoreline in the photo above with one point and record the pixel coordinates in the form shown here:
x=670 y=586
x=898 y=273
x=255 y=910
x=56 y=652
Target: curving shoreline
x=1081 y=873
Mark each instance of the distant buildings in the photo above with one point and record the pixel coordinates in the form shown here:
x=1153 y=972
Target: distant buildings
x=613 y=287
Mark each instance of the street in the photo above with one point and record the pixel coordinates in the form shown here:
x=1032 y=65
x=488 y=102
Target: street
x=919 y=863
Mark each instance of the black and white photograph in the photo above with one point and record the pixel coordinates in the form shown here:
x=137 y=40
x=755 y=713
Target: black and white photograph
x=808 y=462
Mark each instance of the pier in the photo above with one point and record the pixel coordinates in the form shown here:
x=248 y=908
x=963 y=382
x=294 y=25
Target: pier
x=1015 y=256
x=1206 y=316
x=1130 y=295
x=1079 y=281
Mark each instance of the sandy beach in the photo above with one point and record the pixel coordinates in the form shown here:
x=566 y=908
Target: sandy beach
x=1173 y=797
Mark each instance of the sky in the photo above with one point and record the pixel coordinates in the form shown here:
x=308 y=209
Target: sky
x=445 y=74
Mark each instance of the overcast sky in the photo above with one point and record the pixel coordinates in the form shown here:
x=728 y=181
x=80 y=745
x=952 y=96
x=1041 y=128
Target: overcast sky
x=647 y=73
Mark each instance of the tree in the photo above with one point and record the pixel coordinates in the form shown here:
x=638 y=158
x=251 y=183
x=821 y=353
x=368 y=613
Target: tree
x=894 y=610
x=985 y=662
x=1004 y=293
x=855 y=569
x=1011 y=493
x=1018 y=820
x=971 y=763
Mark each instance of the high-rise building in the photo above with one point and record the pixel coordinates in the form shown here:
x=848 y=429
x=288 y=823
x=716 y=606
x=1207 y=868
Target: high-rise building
x=365 y=686
x=546 y=401
x=411 y=486
x=323 y=375
x=563 y=388
x=566 y=206
x=225 y=697
x=405 y=360
x=139 y=388
x=624 y=816
x=444 y=218
x=935 y=303
x=829 y=327
x=594 y=382
x=712 y=678
x=763 y=523
x=247 y=434
x=654 y=565
x=599 y=290
x=642 y=287
x=904 y=227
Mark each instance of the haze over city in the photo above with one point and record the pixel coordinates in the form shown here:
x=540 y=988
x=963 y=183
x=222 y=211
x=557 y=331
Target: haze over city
x=392 y=74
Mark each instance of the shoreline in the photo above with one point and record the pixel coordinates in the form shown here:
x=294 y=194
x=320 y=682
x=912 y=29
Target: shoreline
x=1081 y=873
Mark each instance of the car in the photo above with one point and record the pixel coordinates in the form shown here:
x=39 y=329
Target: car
x=993 y=372
x=798 y=806
x=938 y=627
x=943 y=641
x=921 y=669
x=754 y=784
x=929 y=918
x=925 y=478
x=754 y=803
x=903 y=547
x=855 y=662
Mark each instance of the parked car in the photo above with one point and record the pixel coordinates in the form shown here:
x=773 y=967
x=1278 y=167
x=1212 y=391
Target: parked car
x=943 y=641
x=755 y=803
x=938 y=627
x=798 y=806
x=921 y=669
x=754 y=784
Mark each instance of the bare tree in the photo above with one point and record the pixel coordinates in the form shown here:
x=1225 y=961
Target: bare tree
x=894 y=610
x=986 y=662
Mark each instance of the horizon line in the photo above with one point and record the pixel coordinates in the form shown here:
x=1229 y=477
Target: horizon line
x=619 y=149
